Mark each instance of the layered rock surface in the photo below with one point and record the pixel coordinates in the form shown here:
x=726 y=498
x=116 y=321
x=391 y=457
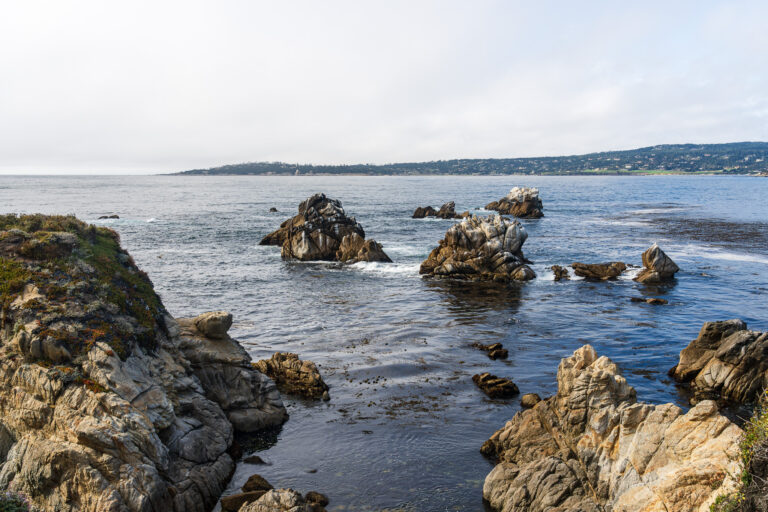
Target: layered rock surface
x=599 y=271
x=322 y=231
x=481 y=248
x=726 y=360
x=592 y=447
x=657 y=266
x=106 y=403
x=521 y=202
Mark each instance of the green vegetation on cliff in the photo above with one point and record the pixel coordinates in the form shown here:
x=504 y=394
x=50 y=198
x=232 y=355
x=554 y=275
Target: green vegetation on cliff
x=733 y=158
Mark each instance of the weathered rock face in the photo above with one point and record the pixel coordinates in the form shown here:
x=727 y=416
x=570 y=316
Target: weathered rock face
x=101 y=409
x=447 y=211
x=592 y=447
x=657 y=266
x=319 y=231
x=481 y=248
x=293 y=375
x=725 y=361
x=521 y=202
x=599 y=271
x=282 y=500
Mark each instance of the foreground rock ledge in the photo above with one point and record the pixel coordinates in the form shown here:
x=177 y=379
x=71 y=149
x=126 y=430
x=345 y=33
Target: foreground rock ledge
x=521 y=202
x=727 y=361
x=106 y=402
x=592 y=447
x=481 y=248
x=322 y=232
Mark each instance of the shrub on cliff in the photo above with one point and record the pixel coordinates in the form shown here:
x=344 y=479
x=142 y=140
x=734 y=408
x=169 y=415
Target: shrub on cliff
x=14 y=502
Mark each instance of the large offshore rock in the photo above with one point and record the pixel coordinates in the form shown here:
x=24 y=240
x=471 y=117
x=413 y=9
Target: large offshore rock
x=657 y=266
x=447 y=211
x=725 y=361
x=521 y=202
x=319 y=231
x=481 y=248
x=103 y=404
x=592 y=447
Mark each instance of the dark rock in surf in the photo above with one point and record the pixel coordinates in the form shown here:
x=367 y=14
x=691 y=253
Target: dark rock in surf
x=561 y=273
x=495 y=350
x=657 y=266
x=495 y=387
x=599 y=271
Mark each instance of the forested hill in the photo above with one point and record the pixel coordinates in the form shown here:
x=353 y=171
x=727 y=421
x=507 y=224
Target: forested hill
x=732 y=158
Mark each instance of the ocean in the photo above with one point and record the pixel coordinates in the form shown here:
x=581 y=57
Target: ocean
x=405 y=423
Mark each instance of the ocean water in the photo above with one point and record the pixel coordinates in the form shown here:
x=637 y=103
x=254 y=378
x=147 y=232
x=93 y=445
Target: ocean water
x=405 y=423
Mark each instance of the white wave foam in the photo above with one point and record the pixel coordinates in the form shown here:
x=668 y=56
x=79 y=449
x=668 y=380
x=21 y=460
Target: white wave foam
x=404 y=250
x=152 y=220
x=630 y=273
x=391 y=269
x=696 y=251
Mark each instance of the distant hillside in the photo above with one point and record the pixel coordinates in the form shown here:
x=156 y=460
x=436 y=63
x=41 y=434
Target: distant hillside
x=732 y=158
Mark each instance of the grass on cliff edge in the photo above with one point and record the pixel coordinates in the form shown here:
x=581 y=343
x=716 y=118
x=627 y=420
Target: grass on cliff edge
x=752 y=494
x=115 y=271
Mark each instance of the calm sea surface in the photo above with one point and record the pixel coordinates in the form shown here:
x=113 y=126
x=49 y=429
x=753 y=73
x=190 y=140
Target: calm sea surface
x=405 y=423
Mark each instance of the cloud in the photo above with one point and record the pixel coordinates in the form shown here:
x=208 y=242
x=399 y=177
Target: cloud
x=143 y=86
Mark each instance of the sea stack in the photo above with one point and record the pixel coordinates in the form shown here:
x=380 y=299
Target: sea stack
x=657 y=266
x=322 y=232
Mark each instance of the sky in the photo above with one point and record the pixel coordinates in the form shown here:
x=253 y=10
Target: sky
x=98 y=86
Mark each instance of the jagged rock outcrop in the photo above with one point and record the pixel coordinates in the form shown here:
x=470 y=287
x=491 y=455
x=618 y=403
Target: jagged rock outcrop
x=447 y=211
x=320 y=230
x=727 y=361
x=283 y=500
x=599 y=271
x=103 y=406
x=495 y=387
x=293 y=375
x=657 y=266
x=592 y=447
x=481 y=248
x=521 y=202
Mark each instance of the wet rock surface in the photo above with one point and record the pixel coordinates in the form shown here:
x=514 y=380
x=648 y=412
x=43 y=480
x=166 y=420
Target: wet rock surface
x=293 y=375
x=657 y=266
x=447 y=211
x=726 y=361
x=593 y=447
x=654 y=301
x=561 y=273
x=495 y=387
x=494 y=350
x=103 y=405
x=481 y=248
x=320 y=230
x=522 y=202
x=599 y=271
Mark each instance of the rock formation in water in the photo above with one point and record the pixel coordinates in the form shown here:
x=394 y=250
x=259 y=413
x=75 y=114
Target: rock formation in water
x=106 y=402
x=495 y=387
x=599 y=271
x=494 y=350
x=293 y=375
x=657 y=266
x=447 y=211
x=521 y=202
x=561 y=273
x=593 y=448
x=322 y=231
x=727 y=361
x=481 y=248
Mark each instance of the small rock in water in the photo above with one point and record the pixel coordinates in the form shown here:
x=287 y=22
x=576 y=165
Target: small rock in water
x=256 y=483
x=651 y=300
x=495 y=350
x=273 y=210
x=495 y=387
x=318 y=498
x=530 y=399
x=658 y=267
x=292 y=375
x=326 y=396
x=561 y=273
x=109 y=217
x=254 y=459
x=599 y=271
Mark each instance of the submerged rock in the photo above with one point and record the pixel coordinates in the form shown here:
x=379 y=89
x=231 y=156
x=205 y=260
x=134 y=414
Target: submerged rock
x=650 y=300
x=319 y=232
x=135 y=419
x=592 y=447
x=293 y=375
x=657 y=266
x=494 y=350
x=725 y=361
x=481 y=248
x=101 y=217
x=599 y=271
x=521 y=202
x=495 y=387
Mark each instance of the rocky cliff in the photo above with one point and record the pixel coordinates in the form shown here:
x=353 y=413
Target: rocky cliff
x=593 y=447
x=106 y=402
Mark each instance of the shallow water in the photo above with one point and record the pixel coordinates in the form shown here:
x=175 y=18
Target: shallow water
x=405 y=423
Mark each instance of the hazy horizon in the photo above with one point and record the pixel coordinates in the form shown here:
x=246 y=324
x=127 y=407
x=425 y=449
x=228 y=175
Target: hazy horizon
x=147 y=88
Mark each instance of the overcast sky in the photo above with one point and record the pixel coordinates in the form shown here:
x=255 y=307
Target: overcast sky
x=107 y=86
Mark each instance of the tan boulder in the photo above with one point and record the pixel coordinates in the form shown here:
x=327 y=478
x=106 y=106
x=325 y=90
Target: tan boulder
x=657 y=266
x=293 y=375
x=599 y=271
